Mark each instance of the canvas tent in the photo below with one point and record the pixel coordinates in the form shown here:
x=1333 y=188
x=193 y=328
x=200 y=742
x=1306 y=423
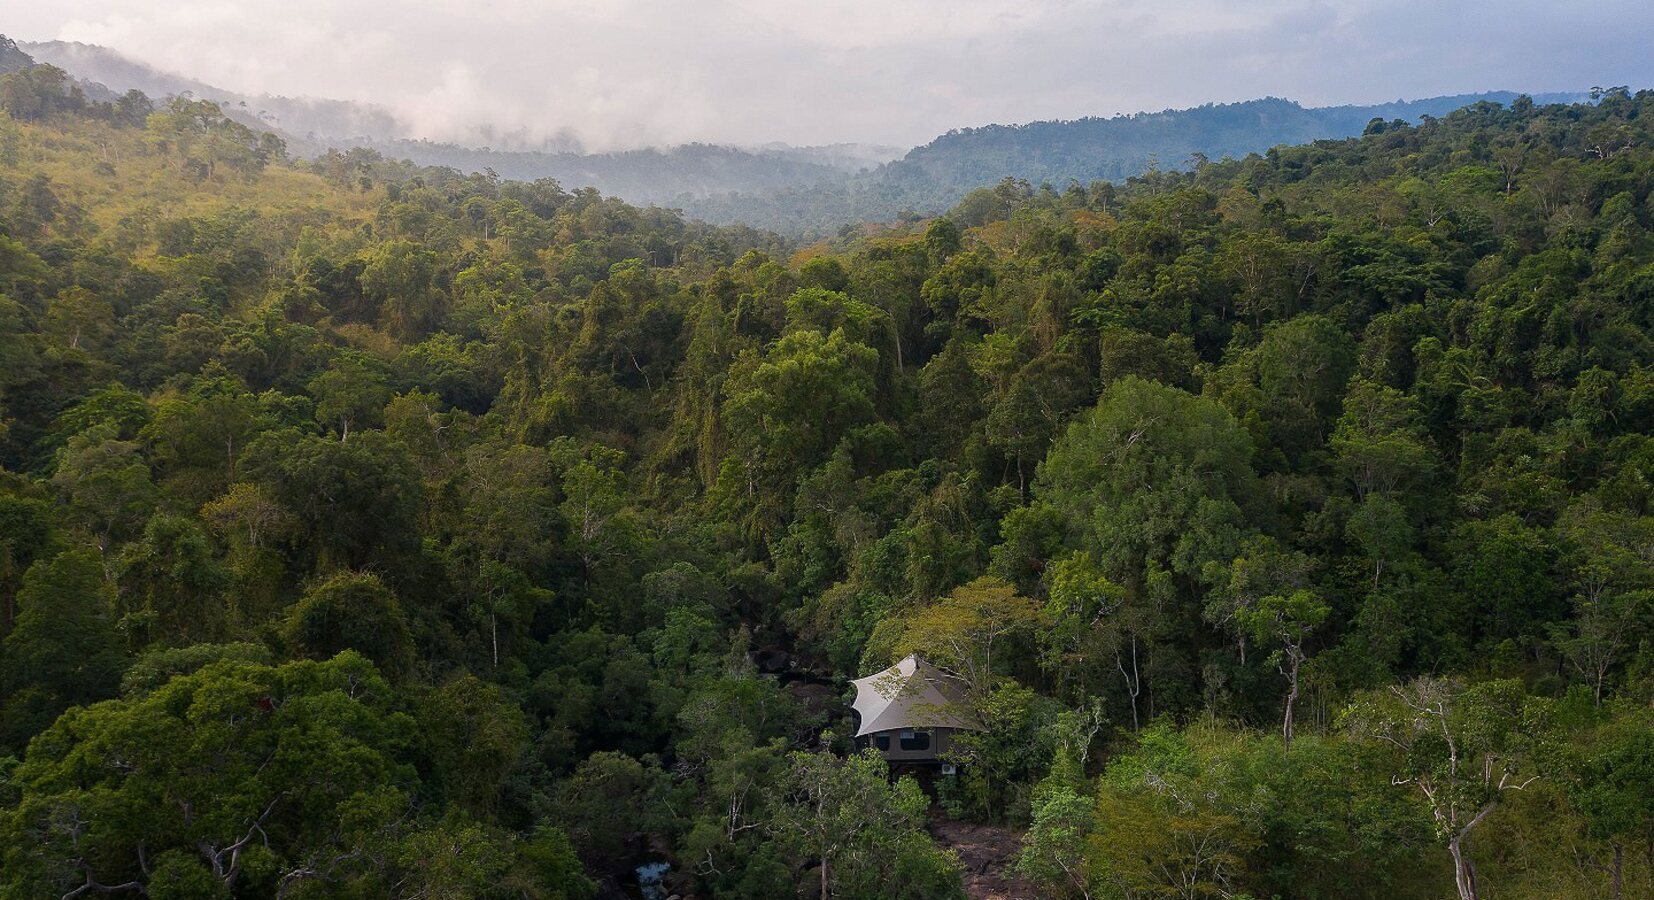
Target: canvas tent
x=910 y=710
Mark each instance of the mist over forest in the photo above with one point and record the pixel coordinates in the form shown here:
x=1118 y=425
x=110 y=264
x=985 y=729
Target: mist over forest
x=801 y=192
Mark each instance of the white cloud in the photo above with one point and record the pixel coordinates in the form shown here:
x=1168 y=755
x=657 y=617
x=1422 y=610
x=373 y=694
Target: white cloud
x=628 y=72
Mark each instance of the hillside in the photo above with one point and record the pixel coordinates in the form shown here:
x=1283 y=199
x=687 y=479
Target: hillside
x=308 y=123
x=370 y=530
x=311 y=126
x=802 y=191
x=934 y=177
x=1113 y=149
x=646 y=177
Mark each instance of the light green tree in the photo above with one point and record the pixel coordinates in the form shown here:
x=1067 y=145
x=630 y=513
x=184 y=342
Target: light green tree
x=1462 y=748
x=960 y=631
x=865 y=834
x=275 y=778
x=1285 y=622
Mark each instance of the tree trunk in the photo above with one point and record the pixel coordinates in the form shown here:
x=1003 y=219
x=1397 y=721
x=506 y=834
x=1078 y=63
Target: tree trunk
x=1464 y=872
x=1619 y=871
x=1291 y=700
x=1133 y=686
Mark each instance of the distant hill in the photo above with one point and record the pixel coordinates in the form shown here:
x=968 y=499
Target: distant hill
x=798 y=191
x=666 y=176
x=937 y=175
x=1114 y=148
x=11 y=57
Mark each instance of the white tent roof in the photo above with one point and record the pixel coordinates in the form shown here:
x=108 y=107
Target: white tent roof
x=911 y=694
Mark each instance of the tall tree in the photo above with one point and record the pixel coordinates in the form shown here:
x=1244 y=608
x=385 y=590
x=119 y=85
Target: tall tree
x=1286 y=622
x=860 y=830
x=64 y=650
x=351 y=611
x=960 y=631
x=1462 y=748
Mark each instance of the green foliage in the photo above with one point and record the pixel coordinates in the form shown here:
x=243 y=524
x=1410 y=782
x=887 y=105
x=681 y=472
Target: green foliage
x=355 y=611
x=1153 y=477
x=480 y=538
x=609 y=797
x=355 y=501
x=155 y=667
x=63 y=649
x=1053 y=851
x=26 y=536
x=863 y=833
x=258 y=764
x=1462 y=748
x=474 y=737
x=1211 y=811
x=785 y=410
x=172 y=584
x=200 y=139
x=1611 y=782
x=998 y=763
x=39 y=92
x=961 y=630
x=550 y=869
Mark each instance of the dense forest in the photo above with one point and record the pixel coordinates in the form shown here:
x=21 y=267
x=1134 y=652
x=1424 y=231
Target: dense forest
x=377 y=531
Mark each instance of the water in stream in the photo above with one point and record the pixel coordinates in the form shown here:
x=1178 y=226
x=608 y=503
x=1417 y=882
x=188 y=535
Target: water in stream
x=649 y=878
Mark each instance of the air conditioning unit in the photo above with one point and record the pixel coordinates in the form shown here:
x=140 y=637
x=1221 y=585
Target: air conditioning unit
x=949 y=769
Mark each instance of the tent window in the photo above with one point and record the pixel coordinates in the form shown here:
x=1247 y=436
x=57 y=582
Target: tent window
x=915 y=740
x=882 y=742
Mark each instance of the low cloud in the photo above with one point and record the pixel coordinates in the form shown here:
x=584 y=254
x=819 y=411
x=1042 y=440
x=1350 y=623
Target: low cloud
x=623 y=73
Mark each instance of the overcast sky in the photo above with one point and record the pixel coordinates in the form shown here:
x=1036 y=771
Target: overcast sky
x=630 y=72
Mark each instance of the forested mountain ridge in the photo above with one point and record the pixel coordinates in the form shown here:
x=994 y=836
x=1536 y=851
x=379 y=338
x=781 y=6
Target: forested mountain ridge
x=649 y=176
x=368 y=530
x=1113 y=149
x=935 y=176
x=801 y=191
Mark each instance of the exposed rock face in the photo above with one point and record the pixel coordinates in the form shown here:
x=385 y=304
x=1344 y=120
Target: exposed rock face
x=989 y=855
